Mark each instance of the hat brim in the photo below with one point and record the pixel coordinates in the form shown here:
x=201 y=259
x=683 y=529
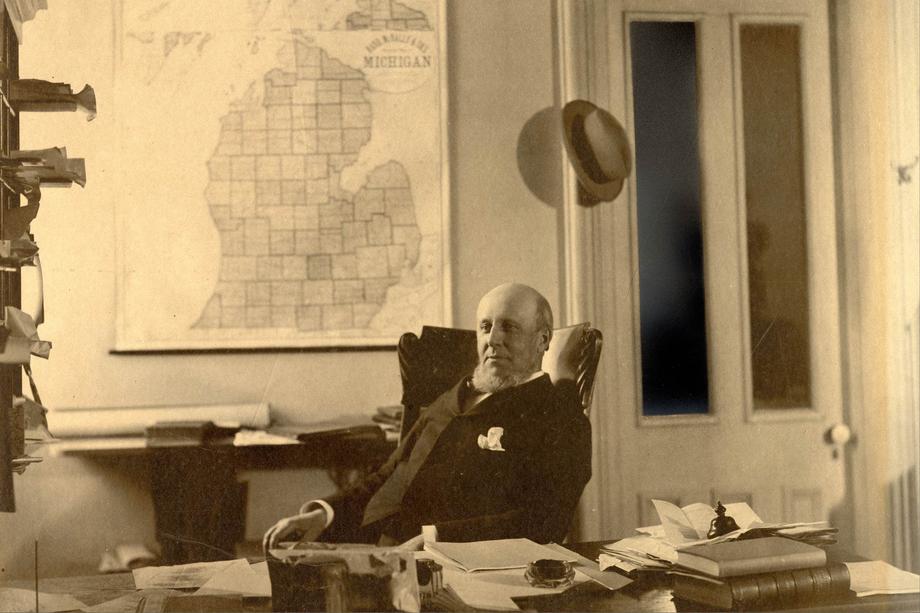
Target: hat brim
x=572 y=111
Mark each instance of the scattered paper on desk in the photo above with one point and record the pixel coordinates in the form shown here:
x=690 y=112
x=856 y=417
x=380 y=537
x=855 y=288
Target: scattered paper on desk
x=179 y=576
x=877 y=577
x=646 y=548
x=18 y=600
x=656 y=531
x=497 y=554
x=131 y=601
x=689 y=525
x=493 y=590
x=606 y=561
x=611 y=581
x=240 y=578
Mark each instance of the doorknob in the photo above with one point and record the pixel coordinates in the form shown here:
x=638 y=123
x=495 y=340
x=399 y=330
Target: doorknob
x=838 y=435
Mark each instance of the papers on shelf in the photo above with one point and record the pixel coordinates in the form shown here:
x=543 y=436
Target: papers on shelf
x=18 y=600
x=179 y=576
x=247 y=438
x=495 y=555
x=126 y=421
x=877 y=577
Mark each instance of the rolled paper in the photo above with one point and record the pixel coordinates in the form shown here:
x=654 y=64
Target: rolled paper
x=44 y=96
x=17 y=220
x=21 y=325
x=31 y=286
x=28 y=186
x=126 y=421
x=52 y=156
x=69 y=171
x=17 y=252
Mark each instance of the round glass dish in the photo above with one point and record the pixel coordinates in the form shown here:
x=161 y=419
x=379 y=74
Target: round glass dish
x=550 y=573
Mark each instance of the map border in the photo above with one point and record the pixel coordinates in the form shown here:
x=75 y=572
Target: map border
x=124 y=343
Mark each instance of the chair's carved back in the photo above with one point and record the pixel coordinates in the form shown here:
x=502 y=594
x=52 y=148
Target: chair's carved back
x=571 y=361
x=434 y=362
x=431 y=364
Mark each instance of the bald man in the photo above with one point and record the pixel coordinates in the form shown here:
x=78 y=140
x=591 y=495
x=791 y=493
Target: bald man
x=500 y=455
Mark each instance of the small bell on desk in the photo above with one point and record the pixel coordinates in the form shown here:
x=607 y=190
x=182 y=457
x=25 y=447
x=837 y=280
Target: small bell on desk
x=721 y=523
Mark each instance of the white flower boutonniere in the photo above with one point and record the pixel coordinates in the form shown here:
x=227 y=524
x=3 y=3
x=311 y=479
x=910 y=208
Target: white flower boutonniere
x=492 y=440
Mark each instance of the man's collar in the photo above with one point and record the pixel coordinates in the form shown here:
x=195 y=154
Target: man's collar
x=471 y=397
x=535 y=375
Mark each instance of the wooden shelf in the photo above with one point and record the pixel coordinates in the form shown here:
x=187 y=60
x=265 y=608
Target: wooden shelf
x=11 y=428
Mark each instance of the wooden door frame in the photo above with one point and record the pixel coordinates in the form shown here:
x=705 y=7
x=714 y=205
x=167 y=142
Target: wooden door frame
x=582 y=68
x=586 y=64
x=873 y=270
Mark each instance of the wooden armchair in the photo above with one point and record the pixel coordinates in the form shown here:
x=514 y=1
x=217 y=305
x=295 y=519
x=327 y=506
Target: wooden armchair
x=432 y=363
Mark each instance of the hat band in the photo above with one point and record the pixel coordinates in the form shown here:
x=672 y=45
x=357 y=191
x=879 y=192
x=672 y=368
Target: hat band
x=585 y=153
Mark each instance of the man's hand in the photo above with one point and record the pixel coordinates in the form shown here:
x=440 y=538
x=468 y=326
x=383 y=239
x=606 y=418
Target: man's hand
x=416 y=543
x=303 y=527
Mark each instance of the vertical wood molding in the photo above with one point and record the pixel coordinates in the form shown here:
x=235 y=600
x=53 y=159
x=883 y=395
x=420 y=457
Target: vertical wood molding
x=904 y=286
x=581 y=68
x=862 y=149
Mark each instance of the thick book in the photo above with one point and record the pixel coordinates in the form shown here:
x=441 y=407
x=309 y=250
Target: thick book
x=802 y=587
x=746 y=557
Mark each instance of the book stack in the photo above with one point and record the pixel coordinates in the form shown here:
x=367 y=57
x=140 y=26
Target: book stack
x=389 y=418
x=765 y=573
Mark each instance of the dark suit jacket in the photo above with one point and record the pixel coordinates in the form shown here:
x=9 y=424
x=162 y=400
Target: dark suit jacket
x=439 y=474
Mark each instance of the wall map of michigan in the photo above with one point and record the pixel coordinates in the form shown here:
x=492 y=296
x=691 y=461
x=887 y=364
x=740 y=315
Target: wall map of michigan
x=297 y=250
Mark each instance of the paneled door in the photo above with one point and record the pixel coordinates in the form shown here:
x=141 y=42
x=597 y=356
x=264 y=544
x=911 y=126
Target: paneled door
x=714 y=274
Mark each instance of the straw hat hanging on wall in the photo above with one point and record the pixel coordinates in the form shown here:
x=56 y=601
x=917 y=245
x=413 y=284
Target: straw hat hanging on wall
x=598 y=149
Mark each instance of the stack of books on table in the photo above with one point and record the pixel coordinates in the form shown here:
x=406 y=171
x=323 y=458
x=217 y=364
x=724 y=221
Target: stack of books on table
x=763 y=573
x=183 y=433
x=389 y=418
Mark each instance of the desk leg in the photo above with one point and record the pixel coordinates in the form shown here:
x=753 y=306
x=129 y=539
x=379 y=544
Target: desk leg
x=199 y=505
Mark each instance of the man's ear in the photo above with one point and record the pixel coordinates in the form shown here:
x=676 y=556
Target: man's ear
x=546 y=336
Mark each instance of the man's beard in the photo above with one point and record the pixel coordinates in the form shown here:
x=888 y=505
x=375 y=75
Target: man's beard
x=486 y=381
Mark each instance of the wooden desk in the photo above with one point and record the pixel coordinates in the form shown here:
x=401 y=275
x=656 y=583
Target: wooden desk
x=199 y=505
x=648 y=596
x=654 y=594
x=92 y=590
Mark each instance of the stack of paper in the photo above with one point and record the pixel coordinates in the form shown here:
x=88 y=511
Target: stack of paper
x=234 y=576
x=488 y=574
x=636 y=553
x=495 y=555
x=681 y=527
x=141 y=600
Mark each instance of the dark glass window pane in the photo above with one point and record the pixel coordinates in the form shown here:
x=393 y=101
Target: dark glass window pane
x=672 y=309
x=775 y=204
